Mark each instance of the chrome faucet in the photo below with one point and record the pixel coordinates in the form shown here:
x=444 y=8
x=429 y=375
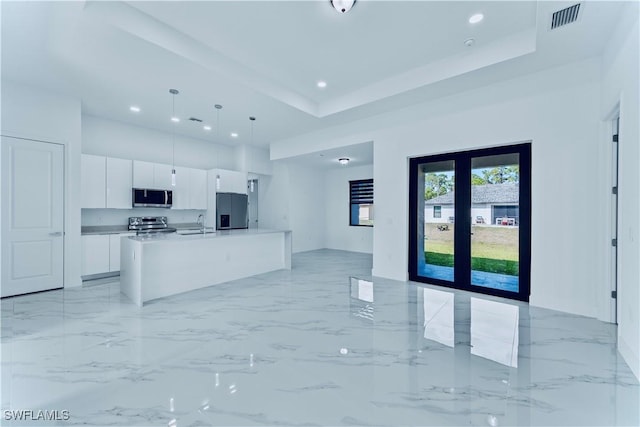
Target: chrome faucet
x=201 y=221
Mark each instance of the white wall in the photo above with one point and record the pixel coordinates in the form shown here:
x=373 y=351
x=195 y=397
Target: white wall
x=116 y=139
x=621 y=76
x=273 y=199
x=292 y=198
x=446 y=211
x=253 y=159
x=307 y=207
x=338 y=233
x=558 y=110
x=33 y=113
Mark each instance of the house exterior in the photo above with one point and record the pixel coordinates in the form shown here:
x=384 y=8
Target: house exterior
x=491 y=204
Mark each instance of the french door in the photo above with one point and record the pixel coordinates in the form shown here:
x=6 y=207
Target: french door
x=470 y=220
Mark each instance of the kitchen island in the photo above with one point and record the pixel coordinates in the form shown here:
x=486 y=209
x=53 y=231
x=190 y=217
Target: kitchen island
x=158 y=266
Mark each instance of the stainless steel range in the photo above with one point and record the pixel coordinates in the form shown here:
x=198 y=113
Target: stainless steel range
x=149 y=224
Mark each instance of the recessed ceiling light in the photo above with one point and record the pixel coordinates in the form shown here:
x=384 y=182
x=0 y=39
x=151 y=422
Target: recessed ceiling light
x=344 y=160
x=469 y=42
x=234 y=135
x=134 y=108
x=476 y=18
x=206 y=127
x=321 y=84
x=175 y=119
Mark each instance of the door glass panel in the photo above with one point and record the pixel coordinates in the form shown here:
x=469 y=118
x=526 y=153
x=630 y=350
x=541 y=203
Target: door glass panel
x=436 y=220
x=495 y=220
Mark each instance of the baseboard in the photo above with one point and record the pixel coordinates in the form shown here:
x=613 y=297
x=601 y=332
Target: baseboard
x=632 y=359
x=401 y=278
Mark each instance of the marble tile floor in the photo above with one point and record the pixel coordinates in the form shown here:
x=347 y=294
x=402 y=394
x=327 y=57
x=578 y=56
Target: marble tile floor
x=320 y=345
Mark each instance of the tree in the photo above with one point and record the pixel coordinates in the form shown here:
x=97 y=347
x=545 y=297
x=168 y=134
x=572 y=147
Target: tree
x=501 y=174
x=477 y=180
x=436 y=185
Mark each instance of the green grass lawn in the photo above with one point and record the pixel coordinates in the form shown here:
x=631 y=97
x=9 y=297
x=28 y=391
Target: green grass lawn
x=493 y=249
x=478 y=264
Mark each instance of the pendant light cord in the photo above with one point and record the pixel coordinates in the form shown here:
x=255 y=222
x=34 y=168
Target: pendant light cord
x=173 y=133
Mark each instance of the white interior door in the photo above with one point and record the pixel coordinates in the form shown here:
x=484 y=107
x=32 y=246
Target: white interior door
x=32 y=216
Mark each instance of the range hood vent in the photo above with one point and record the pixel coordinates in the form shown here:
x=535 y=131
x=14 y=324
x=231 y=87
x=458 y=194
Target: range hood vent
x=565 y=16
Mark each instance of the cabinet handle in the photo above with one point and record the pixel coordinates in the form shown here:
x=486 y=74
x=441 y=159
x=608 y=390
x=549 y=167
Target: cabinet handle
x=56 y=234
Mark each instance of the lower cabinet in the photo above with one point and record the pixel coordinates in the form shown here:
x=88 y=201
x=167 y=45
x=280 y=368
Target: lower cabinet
x=114 y=250
x=101 y=253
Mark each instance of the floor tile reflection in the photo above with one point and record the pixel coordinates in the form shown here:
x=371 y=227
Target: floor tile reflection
x=322 y=344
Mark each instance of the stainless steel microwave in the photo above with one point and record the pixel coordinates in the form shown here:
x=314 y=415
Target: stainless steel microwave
x=148 y=198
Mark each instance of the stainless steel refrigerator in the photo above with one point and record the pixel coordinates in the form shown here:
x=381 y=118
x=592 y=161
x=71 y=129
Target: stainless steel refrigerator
x=231 y=211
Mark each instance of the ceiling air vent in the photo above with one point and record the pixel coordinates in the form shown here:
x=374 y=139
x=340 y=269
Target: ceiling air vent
x=565 y=16
x=195 y=119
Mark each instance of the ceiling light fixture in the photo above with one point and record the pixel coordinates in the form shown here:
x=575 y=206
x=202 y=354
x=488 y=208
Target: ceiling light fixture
x=134 y=108
x=234 y=135
x=343 y=6
x=344 y=161
x=174 y=119
x=469 y=42
x=321 y=84
x=474 y=19
x=206 y=127
x=218 y=108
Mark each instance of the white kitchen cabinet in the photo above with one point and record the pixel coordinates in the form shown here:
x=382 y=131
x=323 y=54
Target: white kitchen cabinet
x=151 y=175
x=143 y=174
x=190 y=191
x=182 y=190
x=93 y=181
x=162 y=177
x=119 y=183
x=198 y=189
x=95 y=254
x=114 y=250
x=230 y=181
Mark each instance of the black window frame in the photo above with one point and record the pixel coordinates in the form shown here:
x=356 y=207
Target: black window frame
x=462 y=242
x=365 y=200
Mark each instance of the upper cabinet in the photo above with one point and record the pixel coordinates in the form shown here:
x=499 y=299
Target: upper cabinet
x=106 y=182
x=93 y=181
x=151 y=175
x=162 y=177
x=119 y=183
x=142 y=174
x=190 y=191
x=230 y=181
x=181 y=190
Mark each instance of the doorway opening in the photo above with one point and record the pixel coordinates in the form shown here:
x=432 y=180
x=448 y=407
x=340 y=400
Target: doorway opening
x=252 y=208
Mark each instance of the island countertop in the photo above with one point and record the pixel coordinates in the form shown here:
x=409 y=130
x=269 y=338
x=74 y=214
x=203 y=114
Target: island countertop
x=177 y=237
x=165 y=264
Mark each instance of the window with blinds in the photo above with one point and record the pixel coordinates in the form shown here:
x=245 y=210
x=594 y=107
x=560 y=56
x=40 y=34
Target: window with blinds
x=361 y=203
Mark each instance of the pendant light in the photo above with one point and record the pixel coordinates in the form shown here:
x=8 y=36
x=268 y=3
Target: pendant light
x=252 y=119
x=218 y=108
x=343 y=6
x=174 y=120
